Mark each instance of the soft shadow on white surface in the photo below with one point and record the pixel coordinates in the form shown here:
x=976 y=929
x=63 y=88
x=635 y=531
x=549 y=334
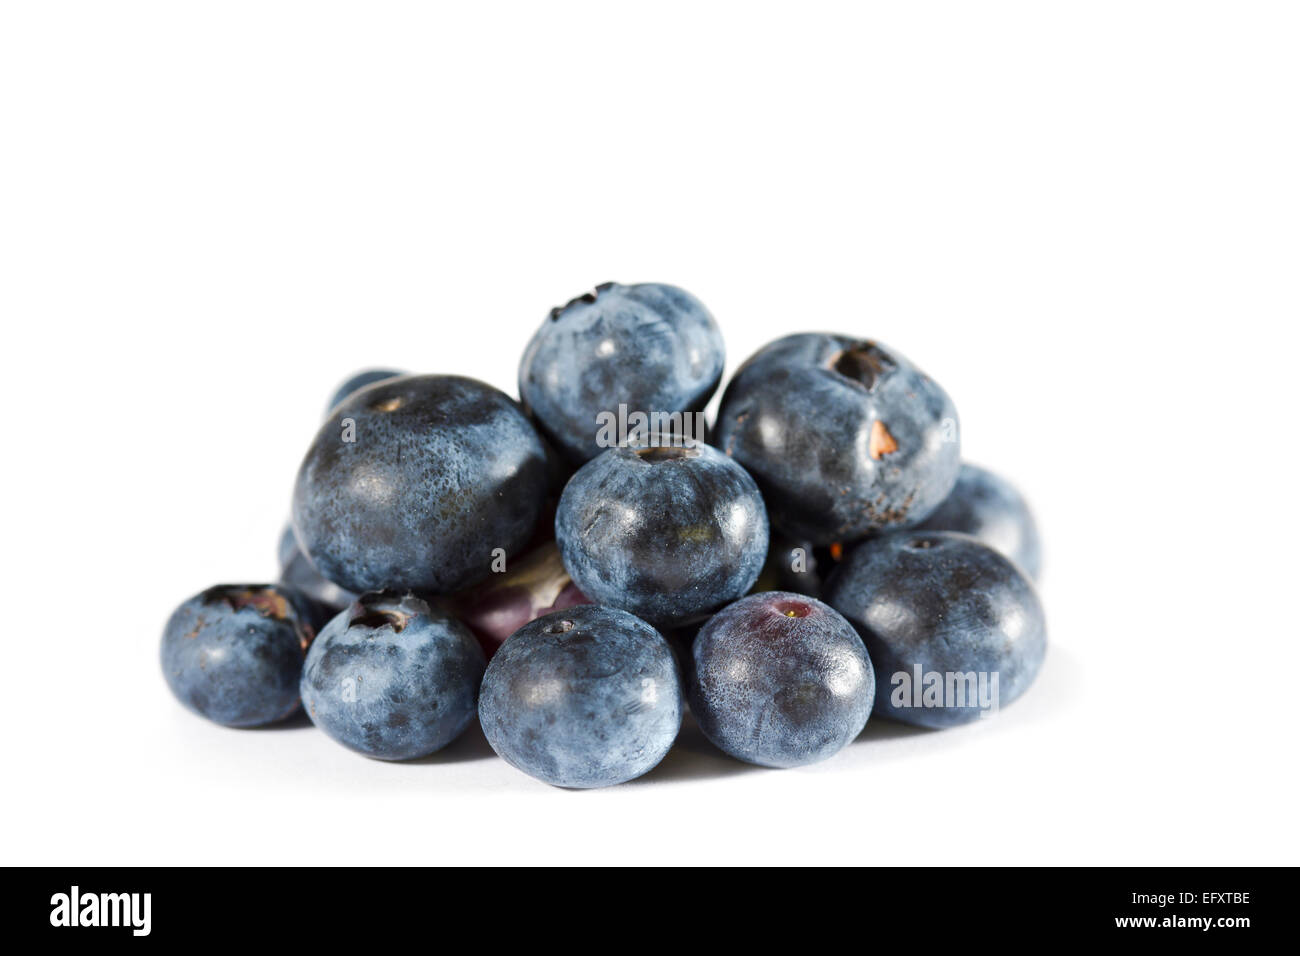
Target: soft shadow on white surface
x=471 y=745
x=298 y=720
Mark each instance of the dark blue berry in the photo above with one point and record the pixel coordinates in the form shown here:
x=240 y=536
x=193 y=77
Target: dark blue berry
x=954 y=628
x=419 y=483
x=585 y=697
x=845 y=437
x=780 y=679
x=234 y=653
x=393 y=677
x=651 y=347
x=668 y=533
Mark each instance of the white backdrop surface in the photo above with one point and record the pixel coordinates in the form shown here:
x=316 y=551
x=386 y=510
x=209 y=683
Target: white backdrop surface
x=1080 y=218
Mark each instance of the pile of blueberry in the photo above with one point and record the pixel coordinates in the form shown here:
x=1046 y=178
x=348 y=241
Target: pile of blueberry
x=576 y=568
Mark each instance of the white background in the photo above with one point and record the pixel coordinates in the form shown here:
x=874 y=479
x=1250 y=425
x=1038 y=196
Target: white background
x=1082 y=219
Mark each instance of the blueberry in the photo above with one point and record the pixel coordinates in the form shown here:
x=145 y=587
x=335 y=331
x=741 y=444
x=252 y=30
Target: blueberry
x=393 y=677
x=358 y=381
x=532 y=585
x=414 y=483
x=297 y=572
x=780 y=680
x=954 y=628
x=234 y=652
x=666 y=532
x=651 y=347
x=988 y=507
x=585 y=697
x=844 y=436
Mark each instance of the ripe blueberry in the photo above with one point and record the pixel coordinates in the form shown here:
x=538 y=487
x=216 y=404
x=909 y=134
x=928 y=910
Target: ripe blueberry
x=669 y=533
x=845 y=437
x=415 y=482
x=946 y=619
x=233 y=653
x=651 y=347
x=585 y=697
x=780 y=679
x=392 y=677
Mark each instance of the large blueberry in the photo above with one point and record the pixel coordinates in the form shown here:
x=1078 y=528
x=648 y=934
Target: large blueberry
x=954 y=628
x=668 y=533
x=845 y=437
x=415 y=482
x=585 y=697
x=393 y=677
x=990 y=508
x=650 y=347
x=234 y=653
x=297 y=571
x=780 y=679
x=358 y=381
